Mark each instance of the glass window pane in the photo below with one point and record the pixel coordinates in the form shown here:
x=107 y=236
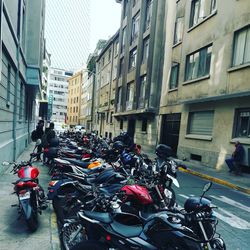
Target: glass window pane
x=247 y=47
x=240 y=38
x=195 y=65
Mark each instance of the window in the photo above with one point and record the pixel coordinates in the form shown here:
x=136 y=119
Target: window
x=200 y=9
x=121 y=124
x=116 y=48
x=242 y=123
x=130 y=96
x=148 y=15
x=198 y=63
x=178 y=30
x=121 y=70
x=125 y=8
x=173 y=82
x=132 y=59
x=142 y=91
x=145 y=50
x=135 y=27
x=111 y=117
x=124 y=33
x=119 y=98
x=241 y=53
x=107 y=117
x=201 y=123
x=109 y=55
x=144 y=125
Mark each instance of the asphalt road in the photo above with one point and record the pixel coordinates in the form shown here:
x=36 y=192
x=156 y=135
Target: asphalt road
x=233 y=209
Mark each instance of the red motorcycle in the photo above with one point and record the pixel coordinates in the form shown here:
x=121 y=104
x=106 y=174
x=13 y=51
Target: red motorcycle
x=31 y=198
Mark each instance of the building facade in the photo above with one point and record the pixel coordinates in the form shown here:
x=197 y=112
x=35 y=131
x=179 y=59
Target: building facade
x=74 y=98
x=21 y=52
x=90 y=97
x=58 y=94
x=140 y=65
x=205 y=102
x=106 y=75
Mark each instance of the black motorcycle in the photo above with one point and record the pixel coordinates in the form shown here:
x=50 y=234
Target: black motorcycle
x=189 y=229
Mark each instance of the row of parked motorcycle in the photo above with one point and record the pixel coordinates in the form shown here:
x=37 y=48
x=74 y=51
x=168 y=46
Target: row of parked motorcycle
x=108 y=195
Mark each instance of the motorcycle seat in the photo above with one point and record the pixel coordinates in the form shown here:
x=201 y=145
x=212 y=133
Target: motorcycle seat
x=125 y=230
x=78 y=162
x=102 y=217
x=24 y=180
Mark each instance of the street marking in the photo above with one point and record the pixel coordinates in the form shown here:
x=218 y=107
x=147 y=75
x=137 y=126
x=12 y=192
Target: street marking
x=229 y=218
x=231 y=202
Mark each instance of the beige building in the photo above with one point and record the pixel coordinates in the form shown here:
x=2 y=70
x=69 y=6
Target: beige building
x=74 y=98
x=105 y=86
x=205 y=102
x=140 y=64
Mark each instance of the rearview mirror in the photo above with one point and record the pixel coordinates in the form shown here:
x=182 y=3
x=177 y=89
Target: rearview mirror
x=5 y=163
x=207 y=187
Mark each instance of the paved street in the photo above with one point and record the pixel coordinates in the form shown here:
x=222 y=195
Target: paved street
x=233 y=213
x=233 y=209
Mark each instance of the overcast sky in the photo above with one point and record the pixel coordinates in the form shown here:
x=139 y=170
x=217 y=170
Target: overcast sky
x=73 y=27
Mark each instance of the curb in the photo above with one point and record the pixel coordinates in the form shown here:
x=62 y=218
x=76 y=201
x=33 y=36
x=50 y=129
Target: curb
x=55 y=242
x=216 y=180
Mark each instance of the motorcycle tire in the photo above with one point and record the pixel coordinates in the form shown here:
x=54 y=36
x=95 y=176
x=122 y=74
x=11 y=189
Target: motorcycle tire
x=32 y=222
x=57 y=204
x=90 y=244
x=68 y=232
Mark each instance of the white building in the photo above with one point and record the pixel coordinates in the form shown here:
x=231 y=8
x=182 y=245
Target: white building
x=58 y=94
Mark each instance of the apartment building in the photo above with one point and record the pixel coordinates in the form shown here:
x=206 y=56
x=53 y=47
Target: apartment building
x=140 y=65
x=205 y=101
x=74 y=98
x=106 y=75
x=58 y=94
x=21 y=52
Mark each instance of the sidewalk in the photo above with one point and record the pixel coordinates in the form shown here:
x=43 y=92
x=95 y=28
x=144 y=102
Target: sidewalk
x=14 y=233
x=222 y=177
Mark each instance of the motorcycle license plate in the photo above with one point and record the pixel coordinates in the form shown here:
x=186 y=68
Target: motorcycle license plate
x=24 y=196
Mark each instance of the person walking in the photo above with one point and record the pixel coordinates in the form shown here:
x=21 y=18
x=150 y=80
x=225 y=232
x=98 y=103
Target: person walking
x=39 y=134
x=234 y=162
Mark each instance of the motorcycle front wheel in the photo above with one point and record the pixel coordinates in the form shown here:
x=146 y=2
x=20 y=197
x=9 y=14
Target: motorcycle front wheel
x=72 y=234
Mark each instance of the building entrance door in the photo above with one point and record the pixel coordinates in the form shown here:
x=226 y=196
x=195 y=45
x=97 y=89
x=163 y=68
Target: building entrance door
x=170 y=130
x=131 y=128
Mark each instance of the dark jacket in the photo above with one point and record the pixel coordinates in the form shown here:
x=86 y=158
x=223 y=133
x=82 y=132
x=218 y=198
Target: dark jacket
x=238 y=153
x=50 y=135
x=39 y=132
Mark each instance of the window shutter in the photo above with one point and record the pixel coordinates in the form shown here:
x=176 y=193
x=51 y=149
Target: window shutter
x=201 y=123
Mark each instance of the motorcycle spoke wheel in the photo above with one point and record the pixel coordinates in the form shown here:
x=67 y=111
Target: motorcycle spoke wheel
x=69 y=237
